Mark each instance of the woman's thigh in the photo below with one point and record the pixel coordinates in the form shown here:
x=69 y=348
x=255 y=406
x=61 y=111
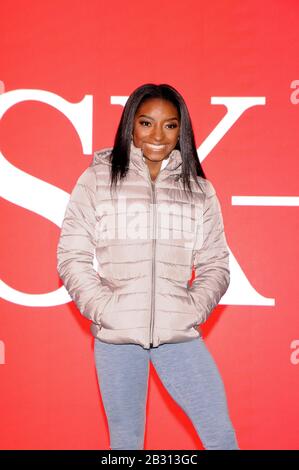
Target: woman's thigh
x=122 y=371
x=191 y=376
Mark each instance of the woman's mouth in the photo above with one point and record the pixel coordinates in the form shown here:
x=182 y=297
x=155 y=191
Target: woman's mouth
x=156 y=147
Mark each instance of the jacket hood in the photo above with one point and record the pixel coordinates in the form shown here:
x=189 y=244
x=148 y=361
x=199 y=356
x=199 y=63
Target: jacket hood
x=137 y=160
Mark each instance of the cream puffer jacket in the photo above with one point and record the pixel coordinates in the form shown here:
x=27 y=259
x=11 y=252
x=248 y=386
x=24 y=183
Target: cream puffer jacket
x=126 y=258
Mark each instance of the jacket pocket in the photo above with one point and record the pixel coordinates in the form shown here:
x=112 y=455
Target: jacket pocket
x=197 y=317
x=108 y=308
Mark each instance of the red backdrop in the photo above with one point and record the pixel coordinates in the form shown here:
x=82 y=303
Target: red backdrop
x=66 y=67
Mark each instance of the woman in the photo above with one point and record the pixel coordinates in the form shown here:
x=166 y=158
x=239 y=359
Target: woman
x=147 y=211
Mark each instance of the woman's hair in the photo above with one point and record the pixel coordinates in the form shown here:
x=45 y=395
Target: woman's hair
x=186 y=144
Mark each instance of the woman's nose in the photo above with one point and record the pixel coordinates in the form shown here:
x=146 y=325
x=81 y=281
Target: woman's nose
x=157 y=134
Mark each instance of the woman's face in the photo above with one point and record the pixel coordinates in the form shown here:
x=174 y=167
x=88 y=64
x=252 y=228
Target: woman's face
x=156 y=128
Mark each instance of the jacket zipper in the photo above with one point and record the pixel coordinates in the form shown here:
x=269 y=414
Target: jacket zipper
x=153 y=199
x=153 y=193
x=153 y=264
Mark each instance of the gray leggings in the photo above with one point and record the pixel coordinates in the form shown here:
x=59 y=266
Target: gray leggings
x=188 y=372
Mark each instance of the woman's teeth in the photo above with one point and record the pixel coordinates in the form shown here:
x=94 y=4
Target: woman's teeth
x=155 y=147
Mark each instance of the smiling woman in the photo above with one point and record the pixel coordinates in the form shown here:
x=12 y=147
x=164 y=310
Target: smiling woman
x=156 y=131
x=139 y=299
x=156 y=115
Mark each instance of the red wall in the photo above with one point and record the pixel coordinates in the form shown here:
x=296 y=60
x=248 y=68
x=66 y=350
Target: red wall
x=236 y=64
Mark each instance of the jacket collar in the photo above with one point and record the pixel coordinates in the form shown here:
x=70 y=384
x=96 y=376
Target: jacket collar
x=172 y=164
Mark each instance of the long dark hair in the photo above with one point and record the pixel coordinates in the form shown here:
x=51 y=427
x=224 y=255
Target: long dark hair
x=120 y=154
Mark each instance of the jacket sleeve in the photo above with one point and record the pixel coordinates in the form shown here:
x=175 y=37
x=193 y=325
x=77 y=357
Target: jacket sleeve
x=76 y=247
x=211 y=259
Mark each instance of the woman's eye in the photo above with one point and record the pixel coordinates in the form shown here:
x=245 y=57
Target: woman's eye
x=144 y=122
x=173 y=126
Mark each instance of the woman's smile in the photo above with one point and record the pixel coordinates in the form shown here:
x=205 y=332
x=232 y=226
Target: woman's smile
x=156 y=147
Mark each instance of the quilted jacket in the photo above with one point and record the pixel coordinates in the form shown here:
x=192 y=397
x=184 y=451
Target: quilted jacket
x=126 y=258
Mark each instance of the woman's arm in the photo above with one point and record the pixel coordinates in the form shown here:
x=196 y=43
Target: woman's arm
x=211 y=260
x=75 y=250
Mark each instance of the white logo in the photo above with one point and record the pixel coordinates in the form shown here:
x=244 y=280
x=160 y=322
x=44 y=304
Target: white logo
x=21 y=188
